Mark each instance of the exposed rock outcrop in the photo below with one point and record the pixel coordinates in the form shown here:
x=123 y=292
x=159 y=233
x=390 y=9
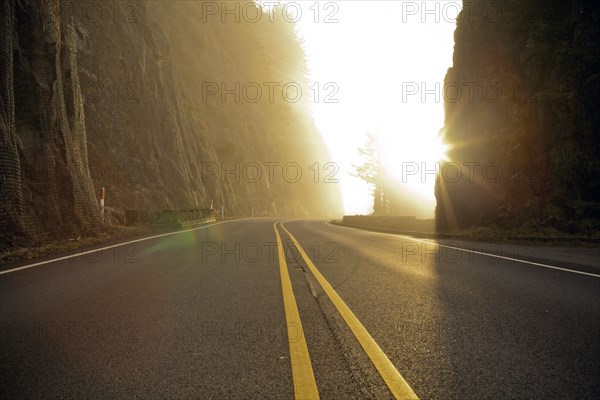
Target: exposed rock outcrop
x=522 y=118
x=46 y=185
x=119 y=95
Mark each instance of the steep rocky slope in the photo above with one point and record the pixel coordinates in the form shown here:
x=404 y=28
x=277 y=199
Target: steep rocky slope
x=117 y=95
x=522 y=118
x=46 y=186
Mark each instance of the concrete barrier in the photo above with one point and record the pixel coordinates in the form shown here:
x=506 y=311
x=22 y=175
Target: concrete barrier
x=391 y=222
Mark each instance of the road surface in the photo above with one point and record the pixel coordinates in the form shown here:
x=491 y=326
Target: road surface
x=236 y=310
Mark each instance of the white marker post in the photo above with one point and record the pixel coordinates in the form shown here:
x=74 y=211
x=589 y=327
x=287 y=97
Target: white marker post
x=102 y=194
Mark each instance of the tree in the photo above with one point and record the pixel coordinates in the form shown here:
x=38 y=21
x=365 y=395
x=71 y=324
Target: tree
x=371 y=171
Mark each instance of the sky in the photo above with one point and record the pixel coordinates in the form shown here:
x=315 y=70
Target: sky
x=385 y=63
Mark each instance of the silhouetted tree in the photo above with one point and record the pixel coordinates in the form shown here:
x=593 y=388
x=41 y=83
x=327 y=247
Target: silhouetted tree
x=371 y=171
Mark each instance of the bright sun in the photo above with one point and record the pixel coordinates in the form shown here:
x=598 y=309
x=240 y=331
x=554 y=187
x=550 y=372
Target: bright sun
x=387 y=69
x=413 y=159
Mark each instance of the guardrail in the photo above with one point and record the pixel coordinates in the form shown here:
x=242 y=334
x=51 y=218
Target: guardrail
x=169 y=218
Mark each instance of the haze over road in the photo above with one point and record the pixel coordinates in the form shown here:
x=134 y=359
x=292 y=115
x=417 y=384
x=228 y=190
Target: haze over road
x=211 y=313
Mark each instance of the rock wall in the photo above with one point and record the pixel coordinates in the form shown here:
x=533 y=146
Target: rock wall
x=46 y=185
x=522 y=118
x=121 y=95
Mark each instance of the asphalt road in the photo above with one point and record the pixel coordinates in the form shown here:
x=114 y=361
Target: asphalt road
x=210 y=313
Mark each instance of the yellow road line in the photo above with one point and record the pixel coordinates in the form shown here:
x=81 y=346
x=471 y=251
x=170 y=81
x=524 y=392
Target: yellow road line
x=305 y=386
x=397 y=385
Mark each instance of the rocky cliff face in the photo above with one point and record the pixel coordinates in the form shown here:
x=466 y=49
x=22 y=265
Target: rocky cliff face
x=522 y=118
x=159 y=103
x=46 y=185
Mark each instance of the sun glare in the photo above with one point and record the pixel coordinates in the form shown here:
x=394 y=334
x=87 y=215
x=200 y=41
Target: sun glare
x=388 y=70
x=413 y=160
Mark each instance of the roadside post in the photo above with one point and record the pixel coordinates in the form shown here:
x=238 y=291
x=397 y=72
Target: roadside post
x=102 y=195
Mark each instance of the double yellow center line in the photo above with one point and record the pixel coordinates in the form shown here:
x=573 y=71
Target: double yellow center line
x=304 y=381
x=305 y=386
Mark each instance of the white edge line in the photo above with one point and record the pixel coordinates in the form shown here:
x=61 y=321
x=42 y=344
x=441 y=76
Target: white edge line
x=105 y=248
x=494 y=255
x=504 y=257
